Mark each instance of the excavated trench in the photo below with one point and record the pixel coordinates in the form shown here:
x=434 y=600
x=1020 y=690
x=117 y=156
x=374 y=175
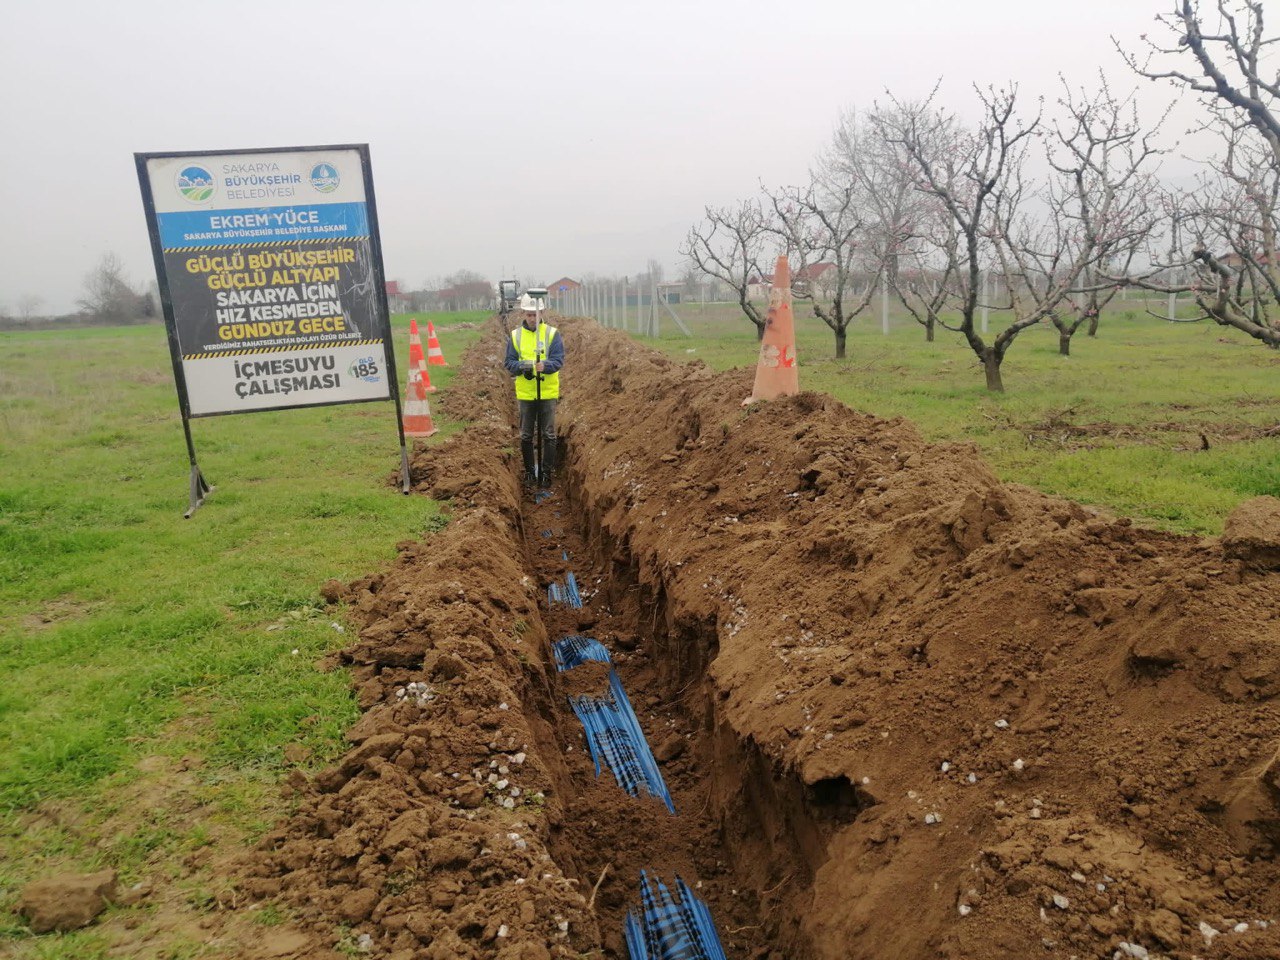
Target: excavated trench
x=745 y=836
x=903 y=710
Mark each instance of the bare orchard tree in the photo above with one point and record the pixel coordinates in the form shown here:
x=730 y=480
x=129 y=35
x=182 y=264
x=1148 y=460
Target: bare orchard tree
x=928 y=274
x=1221 y=55
x=1232 y=218
x=968 y=173
x=29 y=305
x=466 y=290
x=822 y=224
x=915 y=236
x=884 y=178
x=1067 y=265
x=108 y=297
x=728 y=246
x=1223 y=65
x=690 y=281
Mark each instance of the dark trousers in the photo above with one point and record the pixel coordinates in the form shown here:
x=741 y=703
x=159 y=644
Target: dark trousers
x=544 y=410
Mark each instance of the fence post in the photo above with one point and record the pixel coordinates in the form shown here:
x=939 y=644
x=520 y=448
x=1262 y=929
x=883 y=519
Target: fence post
x=653 y=309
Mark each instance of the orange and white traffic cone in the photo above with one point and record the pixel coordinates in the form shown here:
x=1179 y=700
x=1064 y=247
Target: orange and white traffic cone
x=417 y=412
x=434 y=355
x=776 y=373
x=416 y=359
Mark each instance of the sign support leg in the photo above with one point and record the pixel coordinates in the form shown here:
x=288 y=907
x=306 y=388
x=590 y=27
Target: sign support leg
x=199 y=488
x=404 y=468
x=395 y=395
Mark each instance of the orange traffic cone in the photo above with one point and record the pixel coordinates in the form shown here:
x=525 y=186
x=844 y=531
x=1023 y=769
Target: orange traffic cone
x=776 y=374
x=417 y=412
x=434 y=355
x=416 y=359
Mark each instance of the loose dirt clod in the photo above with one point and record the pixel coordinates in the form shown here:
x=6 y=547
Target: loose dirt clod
x=67 y=901
x=1252 y=533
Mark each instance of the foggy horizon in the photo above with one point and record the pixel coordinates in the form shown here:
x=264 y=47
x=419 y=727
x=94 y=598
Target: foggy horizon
x=565 y=139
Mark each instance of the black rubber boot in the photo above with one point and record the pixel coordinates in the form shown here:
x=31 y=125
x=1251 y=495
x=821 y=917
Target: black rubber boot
x=548 y=463
x=530 y=464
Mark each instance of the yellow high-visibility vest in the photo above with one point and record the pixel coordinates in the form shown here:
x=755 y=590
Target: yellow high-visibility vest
x=531 y=345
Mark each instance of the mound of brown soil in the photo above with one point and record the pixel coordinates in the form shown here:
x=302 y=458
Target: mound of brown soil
x=1053 y=725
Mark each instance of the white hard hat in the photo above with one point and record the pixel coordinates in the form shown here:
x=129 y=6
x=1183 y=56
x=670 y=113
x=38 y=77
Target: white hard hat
x=531 y=304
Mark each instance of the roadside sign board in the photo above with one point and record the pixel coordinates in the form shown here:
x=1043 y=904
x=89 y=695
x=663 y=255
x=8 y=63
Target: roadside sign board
x=270 y=274
x=270 y=269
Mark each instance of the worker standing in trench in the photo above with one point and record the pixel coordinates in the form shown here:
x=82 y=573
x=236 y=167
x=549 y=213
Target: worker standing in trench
x=535 y=355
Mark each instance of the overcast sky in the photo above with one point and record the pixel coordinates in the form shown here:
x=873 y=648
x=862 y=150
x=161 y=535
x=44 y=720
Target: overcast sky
x=542 y=138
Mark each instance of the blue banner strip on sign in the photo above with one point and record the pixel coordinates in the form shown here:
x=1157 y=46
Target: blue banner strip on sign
x=315 y=221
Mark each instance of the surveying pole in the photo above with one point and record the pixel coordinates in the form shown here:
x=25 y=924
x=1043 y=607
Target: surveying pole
x=539 y=295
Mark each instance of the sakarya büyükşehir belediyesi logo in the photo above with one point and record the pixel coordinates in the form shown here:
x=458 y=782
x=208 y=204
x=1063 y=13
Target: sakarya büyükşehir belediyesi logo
x=195 y=183
x=324 y=177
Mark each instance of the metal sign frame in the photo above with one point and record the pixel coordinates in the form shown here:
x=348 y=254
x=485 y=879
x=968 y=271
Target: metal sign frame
x=199 y=488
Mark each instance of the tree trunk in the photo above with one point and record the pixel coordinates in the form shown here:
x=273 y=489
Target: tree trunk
x=928 y=330
x=840 y=339
x=760 y=331
x=1093 y=325
x=1064 y=343
x=991 y=364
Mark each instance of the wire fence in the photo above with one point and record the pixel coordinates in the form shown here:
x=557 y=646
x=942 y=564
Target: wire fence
x=637 y=306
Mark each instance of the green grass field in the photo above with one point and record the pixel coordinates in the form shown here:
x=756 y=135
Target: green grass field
x=1117 y=424
x=127 y=632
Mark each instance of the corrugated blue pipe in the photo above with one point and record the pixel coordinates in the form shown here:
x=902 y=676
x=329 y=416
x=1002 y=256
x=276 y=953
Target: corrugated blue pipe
x=614 y=735
x=568 y=593
x=574 y=650
x=671 y=928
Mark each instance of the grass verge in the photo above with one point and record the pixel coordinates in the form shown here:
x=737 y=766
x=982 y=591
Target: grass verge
x=132 y=641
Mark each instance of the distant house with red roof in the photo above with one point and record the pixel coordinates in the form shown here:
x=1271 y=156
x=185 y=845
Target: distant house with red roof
x=397 y=299
x=815 y=278
x=817 y=274
x=563 y=285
